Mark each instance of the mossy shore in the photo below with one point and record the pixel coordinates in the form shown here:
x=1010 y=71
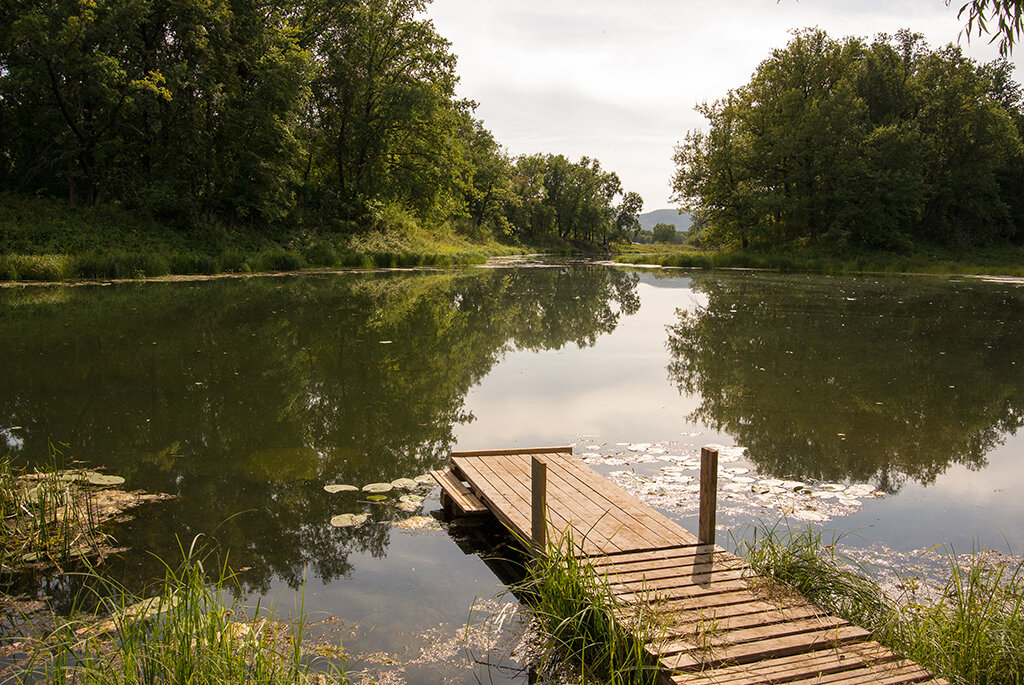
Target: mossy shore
x=993 y=261
x=45 y=240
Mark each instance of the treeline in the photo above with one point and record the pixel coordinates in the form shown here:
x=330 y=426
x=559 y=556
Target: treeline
x=306 y=113
x=880 y=145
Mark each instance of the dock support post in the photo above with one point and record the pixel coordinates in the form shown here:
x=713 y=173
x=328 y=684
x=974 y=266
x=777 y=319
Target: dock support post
x=708 y=495
x=539 y=491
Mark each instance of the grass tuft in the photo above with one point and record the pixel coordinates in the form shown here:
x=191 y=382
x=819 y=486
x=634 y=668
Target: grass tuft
x=583 y=620
x=186 y=633
x=971 y=634
x=44 y=518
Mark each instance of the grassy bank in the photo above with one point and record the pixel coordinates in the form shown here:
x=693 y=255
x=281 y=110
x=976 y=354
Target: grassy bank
x=45 y=240
x=971 y=633
x=996 y=261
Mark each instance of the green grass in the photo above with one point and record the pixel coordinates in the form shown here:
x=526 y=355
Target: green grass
x=583 y=620
x=972 y=634
x=186 y=633
x=44 y=518
x=44 y=239
x=996 y=261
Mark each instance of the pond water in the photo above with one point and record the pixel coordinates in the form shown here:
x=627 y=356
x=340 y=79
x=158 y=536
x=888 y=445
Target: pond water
x=244 y=397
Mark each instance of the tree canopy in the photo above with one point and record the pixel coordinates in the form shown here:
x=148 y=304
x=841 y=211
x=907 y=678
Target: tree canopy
x=260 y=112
x=878 y=144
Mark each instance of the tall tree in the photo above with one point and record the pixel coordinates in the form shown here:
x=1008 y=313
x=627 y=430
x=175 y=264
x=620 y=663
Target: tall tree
x=848 y=142
x=384 y=104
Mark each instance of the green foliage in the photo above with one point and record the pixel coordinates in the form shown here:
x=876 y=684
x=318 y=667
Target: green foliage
x=43 y=516
x=583 y=619
x=1008 y=16
x=754 y=355
x=555 y=198
x=301 y=116
x=856 y=144
x=277 y=260
x=189 y=632
x=663 y=233
x=995 y=260
x=972 y=634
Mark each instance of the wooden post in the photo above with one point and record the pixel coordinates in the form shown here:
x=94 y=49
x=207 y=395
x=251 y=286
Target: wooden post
x=539 y=490
x=708 y=495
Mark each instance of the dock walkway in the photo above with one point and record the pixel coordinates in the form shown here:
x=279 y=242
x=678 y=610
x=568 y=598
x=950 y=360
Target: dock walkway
x=718 y=624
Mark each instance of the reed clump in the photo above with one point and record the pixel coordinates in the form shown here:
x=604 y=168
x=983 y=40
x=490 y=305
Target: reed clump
x=44 y=517
x=188 y=632
x=971 y=632
x=583 y=620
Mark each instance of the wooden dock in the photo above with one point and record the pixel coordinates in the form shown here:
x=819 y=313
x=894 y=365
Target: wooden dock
x=718 y=624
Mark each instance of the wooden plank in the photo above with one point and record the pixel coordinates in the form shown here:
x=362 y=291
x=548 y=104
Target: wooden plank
x=664 y=531
x=661 y=585
x=793 y=667
x=655 y=553
x=712 y=600
x=466 y=502
x=593 y=528
x=766 y=649
x=512 y=472
x=670 y=568
x=730 y=617
x=593 y=520
x=561 y=449
x=634 y=560
x=686 y=592
x=496 y=500
x=711 y=637
x=893 y=673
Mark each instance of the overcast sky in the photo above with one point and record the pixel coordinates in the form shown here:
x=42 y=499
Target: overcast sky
x=618 y=80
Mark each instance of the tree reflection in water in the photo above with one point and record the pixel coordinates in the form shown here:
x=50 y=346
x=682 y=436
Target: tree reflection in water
x=836 y=378
x=244 y=397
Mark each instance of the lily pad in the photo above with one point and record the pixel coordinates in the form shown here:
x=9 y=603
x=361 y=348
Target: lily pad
x=348 y=520
x=339 y=487
x=411 y=499
x=376 y=498
x=424 y=479
x=378 y=487
x=103 y=479
x=404 y=483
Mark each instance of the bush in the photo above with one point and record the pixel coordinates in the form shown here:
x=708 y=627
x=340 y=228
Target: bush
x=276 y=260
x=320 y=254
x=193 y=263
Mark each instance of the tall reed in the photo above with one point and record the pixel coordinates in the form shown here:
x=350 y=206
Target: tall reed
x=584 y=620
x=972 y=633
x=44 y=516
x=189 y=633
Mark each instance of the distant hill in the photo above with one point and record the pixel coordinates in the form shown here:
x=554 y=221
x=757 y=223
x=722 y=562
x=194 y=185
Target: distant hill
x=665 y=216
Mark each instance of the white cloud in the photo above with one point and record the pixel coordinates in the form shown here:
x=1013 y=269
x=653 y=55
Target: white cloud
x=618 y=81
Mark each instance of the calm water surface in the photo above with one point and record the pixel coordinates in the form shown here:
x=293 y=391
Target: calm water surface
x=243 y=397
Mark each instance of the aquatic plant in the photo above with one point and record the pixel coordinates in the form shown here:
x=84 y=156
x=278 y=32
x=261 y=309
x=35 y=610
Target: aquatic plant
x=186 y=633
x=45 y=516
x=583 y=620
x=971 y=634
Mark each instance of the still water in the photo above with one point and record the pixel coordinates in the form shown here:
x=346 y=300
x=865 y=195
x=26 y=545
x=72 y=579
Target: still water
x=244 y=397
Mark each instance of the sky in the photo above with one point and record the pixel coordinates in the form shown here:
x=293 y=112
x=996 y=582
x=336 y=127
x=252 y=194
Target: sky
x=618 y=81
